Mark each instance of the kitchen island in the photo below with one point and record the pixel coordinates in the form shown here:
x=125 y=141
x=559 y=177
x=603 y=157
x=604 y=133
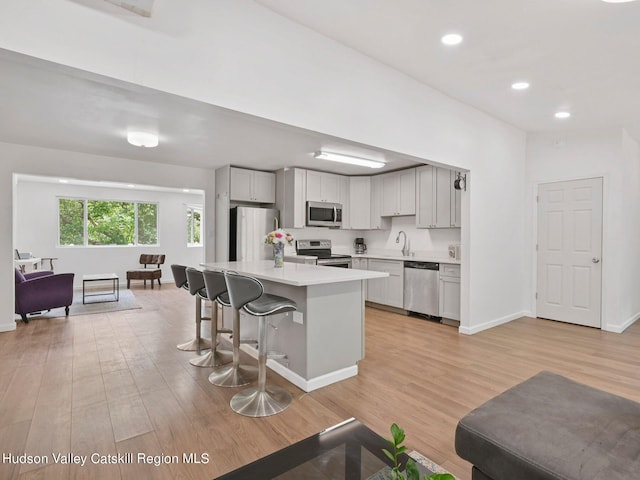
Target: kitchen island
x=324 y=340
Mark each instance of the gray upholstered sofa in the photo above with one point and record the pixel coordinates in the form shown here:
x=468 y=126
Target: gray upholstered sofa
x=550 y=427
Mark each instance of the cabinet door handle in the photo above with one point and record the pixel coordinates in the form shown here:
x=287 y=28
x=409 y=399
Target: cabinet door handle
x=595 y=260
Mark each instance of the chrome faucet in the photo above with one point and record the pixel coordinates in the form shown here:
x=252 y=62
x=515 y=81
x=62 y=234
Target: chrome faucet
x=405 y=248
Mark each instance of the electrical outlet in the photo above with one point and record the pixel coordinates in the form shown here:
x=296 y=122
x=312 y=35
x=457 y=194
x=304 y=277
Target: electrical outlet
x=297 y=317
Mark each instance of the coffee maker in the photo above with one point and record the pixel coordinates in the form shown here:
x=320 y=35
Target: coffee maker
x=359 y=245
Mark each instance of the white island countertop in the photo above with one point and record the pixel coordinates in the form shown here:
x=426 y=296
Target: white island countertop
x=295 y=274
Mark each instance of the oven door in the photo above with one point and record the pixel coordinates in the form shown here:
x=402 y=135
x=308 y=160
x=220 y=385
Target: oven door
x=320 y=214
x=336 y=262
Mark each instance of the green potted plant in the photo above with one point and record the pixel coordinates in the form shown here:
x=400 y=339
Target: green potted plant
x=410 y=470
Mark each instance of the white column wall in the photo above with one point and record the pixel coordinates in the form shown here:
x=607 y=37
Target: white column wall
x=613 y=155
x=245 y=57
x=42 y=161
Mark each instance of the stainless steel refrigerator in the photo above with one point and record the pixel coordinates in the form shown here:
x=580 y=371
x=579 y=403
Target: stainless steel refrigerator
x=247 y=229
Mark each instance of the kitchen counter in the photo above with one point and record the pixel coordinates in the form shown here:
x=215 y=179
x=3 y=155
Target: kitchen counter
x=324 y=339
x=417 y=258
x=295 y=274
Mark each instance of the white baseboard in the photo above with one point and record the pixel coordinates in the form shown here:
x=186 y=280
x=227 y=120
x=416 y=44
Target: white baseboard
x=493 y=323
x=7 y=327
x=621 y=328
x=308 y=385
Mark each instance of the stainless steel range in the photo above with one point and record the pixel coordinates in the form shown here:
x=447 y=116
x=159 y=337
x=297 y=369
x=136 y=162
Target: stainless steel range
x=322 y=250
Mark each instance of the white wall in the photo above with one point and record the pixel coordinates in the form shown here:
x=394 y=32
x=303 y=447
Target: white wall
x=613 y=155
x=37 y=229
x=421 y=240
x=41 y=161
x=242 y=56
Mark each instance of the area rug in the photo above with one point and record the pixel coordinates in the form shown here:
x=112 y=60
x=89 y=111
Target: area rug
x=127 y=302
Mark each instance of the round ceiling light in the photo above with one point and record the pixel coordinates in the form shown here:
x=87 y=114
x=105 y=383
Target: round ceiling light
x=451 y=39
x=142 y=139
x=562 y=114
x=520 y=85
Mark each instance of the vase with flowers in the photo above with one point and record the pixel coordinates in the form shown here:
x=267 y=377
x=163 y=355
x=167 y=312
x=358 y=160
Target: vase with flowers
x=278 y=238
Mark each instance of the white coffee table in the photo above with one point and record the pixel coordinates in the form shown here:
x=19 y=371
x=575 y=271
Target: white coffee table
x=101 y=277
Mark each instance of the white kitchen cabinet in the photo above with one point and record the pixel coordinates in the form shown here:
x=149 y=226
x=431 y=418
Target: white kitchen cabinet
x=378 y=222
x=323 y=187
x=361 y=264
x=456 y=201
x=252 y=186
x=345 y=200
x=434 y=195
x=449 y=291
x=359 y=203
x=388 y=290
x=399 y=193
x=291 y=194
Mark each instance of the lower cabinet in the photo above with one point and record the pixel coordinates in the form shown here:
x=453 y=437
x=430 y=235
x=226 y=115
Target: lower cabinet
x=388 y=290
x=449 y=291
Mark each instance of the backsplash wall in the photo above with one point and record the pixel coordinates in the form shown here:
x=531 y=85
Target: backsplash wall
x=378 y=241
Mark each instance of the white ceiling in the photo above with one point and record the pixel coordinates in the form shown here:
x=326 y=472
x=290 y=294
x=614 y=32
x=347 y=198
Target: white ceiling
x=580 y=55
x=54 y=106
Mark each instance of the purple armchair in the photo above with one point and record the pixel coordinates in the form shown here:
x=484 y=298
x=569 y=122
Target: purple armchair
x=40 y=291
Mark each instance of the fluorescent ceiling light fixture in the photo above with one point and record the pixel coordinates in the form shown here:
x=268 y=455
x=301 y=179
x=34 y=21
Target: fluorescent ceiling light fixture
x=131 y=185
x=142 y=139
x=185 y=190
x=451 y=39
x=62 y=180
x=562 y=114
x=520 y=85
x=338 y=157
x=618 y=1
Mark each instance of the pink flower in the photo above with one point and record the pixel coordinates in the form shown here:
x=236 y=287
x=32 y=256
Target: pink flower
x=278 y=235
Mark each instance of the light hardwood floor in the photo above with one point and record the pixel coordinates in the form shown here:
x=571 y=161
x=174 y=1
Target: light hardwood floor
x=115 y=383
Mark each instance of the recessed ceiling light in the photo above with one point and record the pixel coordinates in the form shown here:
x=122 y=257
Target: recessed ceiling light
x=451 y=39
x=520 y=85
x=142 y=139
x=339 y=157
x=562 y=114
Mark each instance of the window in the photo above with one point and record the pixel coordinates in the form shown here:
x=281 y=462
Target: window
x=194 y=226
x=98 y=222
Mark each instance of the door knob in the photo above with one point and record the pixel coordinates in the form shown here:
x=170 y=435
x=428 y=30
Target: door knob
x=595 y=260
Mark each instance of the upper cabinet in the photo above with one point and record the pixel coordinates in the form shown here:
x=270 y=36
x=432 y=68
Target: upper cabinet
x=438 y=204
x=323 y=187
x=359 y=204
x=398 y=193
x=252 y=186
x=291 y=197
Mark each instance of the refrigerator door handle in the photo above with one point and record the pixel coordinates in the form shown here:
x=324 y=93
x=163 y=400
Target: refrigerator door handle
x=335 y=214
x=275 y=222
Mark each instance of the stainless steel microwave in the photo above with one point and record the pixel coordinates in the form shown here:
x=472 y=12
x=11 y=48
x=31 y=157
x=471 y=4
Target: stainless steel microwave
x=321 y=214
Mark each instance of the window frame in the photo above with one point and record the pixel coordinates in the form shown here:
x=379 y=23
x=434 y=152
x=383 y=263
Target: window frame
x=85 y=229
x=200 y=210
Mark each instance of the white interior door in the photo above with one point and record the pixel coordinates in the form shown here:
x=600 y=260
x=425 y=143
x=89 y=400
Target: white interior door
x=569 y=251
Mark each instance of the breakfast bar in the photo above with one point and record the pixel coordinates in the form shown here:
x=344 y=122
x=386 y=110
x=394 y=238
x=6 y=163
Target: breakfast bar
x=324 y=339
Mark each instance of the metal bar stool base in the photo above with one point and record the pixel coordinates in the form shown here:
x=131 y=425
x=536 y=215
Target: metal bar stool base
x=212 y=359
x=195 y=344
x=252 y=402
x=234 y=376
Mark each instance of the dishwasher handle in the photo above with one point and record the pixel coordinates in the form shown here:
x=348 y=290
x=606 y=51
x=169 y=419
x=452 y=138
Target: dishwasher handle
x=422 y=265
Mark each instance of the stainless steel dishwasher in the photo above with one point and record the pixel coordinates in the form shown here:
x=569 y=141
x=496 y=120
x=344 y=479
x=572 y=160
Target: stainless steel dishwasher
x=421 y=287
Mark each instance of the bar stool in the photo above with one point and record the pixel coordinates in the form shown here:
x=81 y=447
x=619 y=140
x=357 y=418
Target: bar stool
x=198 y=288
x=235 y=375
x=248 y=293
x=180 y=278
